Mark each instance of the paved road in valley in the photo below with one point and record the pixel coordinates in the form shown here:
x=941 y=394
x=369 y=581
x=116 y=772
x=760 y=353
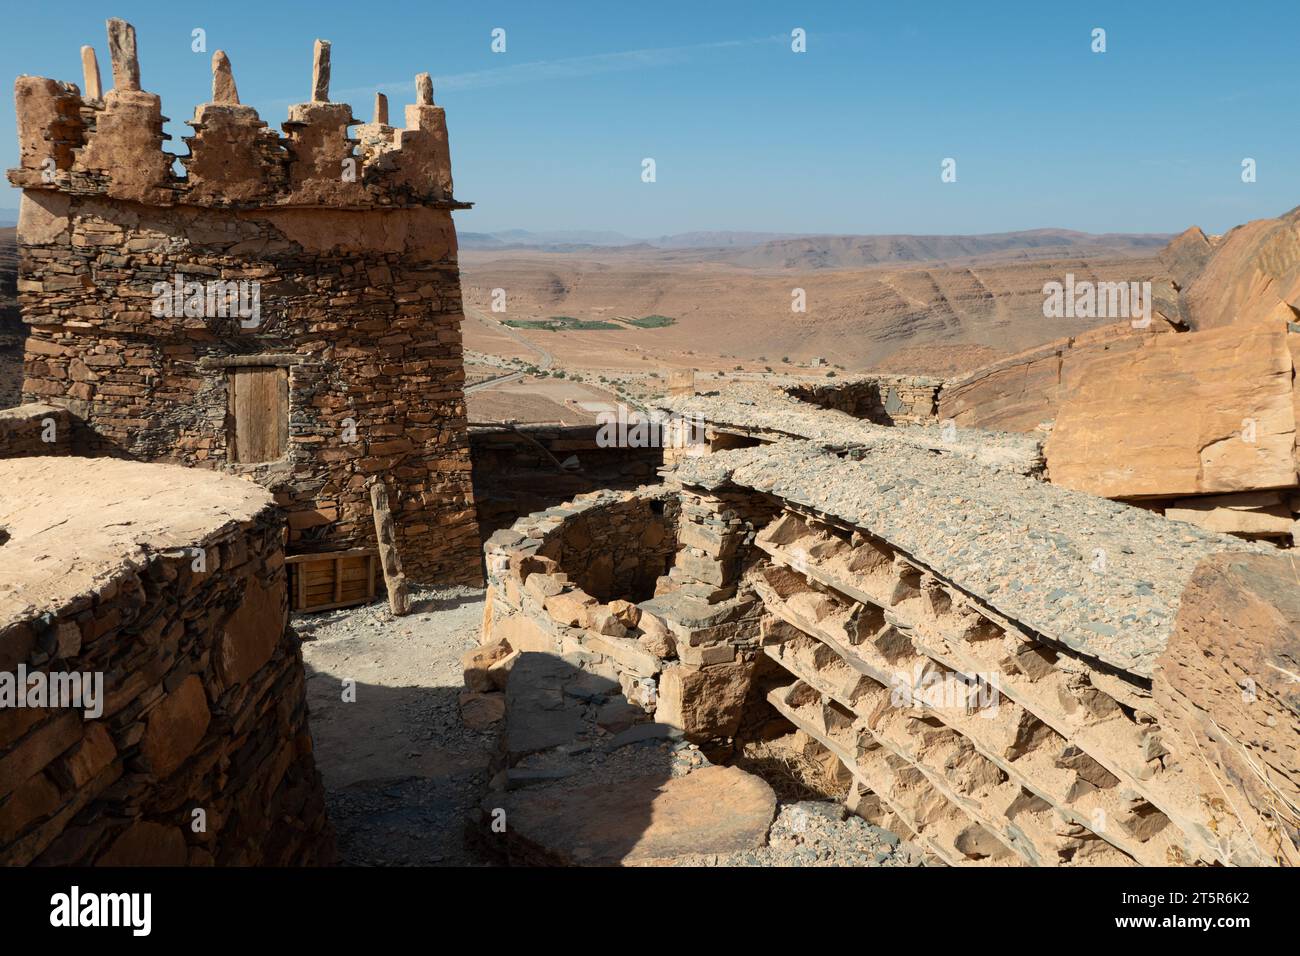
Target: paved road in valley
x=547 y=359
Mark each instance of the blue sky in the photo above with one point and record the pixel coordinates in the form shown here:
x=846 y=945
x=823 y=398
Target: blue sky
x=847 y=137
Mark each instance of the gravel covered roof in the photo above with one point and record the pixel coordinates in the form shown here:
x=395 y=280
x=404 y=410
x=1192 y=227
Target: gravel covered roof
x=769 y=411
x=1096 y=576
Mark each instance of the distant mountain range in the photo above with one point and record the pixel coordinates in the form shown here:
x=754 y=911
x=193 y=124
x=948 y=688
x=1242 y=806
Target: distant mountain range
x=771 y=250
x=571 y=239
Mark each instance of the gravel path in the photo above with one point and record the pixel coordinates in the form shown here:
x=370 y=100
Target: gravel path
x=821 y=833
x=402 y=773
x=404 y=776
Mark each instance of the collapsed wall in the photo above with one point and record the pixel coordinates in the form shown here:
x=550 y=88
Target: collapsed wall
x=161 y=592
x=523 y=468
x=288 y=308
x=883 y=399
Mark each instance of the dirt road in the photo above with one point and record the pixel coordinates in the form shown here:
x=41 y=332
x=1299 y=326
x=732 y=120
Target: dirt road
x=546 y=361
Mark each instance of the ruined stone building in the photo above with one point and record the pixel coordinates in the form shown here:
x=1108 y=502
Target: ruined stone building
x=287 y=308
x=999 y=662
x=283 y=320
x=1003 y=670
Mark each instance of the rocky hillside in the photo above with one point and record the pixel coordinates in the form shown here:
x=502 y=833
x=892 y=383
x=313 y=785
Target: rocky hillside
x=771 y=250
x=947 y=318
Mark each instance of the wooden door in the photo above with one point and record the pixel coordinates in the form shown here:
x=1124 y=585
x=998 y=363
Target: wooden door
x=259 y=413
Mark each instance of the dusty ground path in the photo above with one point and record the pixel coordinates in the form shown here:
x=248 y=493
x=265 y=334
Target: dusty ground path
x=403 y=775
x=401 y=770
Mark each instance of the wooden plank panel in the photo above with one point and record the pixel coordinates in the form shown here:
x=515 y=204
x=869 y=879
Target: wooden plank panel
x=259 y=412
x=334 y=579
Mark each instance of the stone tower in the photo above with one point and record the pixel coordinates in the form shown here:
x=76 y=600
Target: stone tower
x=287 y=308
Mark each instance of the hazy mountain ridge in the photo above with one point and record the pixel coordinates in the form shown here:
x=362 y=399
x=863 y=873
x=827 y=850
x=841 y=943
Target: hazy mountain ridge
x=760 y=250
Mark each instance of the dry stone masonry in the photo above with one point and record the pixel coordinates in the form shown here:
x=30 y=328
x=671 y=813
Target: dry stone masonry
x=288 y=308
x=751 y=413
x=166 y=586
x=35 y=429
x=885 y=400
x=522 y=468
x=1010 y=672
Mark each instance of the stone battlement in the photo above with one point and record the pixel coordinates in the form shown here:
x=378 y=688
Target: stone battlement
x=268 y=315
x=87 y=142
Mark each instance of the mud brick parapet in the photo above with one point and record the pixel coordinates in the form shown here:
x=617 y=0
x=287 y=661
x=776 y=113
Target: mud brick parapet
x=344 y=244
x=111 y=146
x=200 y=752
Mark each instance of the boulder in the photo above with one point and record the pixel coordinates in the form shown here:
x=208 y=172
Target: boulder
x=655 y=636
x=1185 y=414
x=704 y=702
x=541 y=586
x=1256 y=513
x=477 y=661
x=605 y=621
x=643 y=820
x=627 y=612
x=572 y=608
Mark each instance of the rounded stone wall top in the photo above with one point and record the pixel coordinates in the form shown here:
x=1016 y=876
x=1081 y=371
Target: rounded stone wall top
x=70 y=526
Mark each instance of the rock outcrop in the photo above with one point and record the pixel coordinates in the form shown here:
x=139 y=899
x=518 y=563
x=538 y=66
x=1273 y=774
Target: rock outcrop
x=1202 y=413
x=1229 y=681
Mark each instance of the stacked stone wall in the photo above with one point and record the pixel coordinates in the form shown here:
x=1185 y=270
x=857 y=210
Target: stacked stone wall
x=346 y=241
x=884 y=400
x=36 y=429
x=201 y=752
x=570 y=580
x=527 y=468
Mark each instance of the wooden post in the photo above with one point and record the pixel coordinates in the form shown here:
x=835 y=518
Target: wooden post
x=399 y=600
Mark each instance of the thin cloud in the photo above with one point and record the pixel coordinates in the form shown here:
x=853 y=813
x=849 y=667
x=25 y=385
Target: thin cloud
x=542 y=71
